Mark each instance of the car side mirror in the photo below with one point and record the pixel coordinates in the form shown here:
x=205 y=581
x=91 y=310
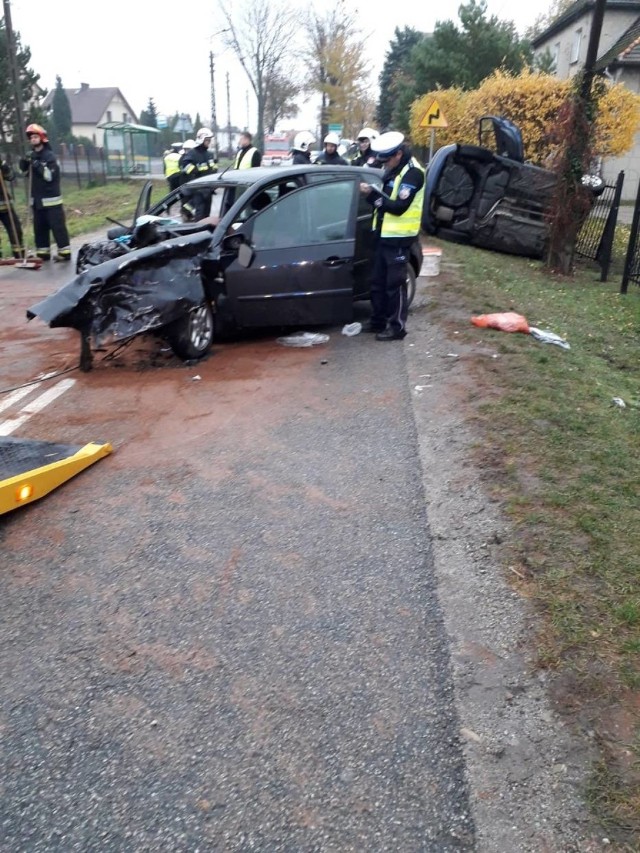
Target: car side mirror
x=245 y=255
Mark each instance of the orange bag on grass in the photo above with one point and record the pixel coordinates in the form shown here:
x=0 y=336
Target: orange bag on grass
x=509 y=321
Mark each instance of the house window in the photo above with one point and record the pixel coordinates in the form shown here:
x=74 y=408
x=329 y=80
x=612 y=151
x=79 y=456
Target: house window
x=575 y=47
x=109 y=115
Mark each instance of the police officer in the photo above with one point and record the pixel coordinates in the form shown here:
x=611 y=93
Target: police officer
x=248 y=157
x=396 y=221
x=366 y=156
x=8 y=215
x=195 y=163
x=330 y=155
x=44 y=179
x=171 y=163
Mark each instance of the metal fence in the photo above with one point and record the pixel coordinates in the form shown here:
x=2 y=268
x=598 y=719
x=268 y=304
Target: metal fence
x=632 y=259
x=595 y=240
x=88 y=167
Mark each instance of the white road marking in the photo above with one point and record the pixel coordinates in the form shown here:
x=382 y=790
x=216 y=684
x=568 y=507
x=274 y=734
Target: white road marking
x=35 y=406
x=19 y=393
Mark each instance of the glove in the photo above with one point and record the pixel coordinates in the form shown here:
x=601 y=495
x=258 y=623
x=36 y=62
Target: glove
x=24 y=164
x=46 y=173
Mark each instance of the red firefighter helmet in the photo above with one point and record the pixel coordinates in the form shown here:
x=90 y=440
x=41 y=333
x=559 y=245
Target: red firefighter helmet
x=36 y=128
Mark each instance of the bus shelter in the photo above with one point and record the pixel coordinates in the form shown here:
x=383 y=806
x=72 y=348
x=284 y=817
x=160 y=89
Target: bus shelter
x=127 y=147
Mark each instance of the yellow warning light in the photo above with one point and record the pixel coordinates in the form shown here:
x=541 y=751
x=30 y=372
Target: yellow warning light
x=24 y=492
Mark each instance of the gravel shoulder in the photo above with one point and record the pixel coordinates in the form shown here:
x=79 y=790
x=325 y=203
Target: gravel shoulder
x=527 y=767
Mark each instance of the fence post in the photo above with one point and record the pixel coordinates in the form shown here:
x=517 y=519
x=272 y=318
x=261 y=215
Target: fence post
x=633 y=242
x=75 y=157
x=603 y=255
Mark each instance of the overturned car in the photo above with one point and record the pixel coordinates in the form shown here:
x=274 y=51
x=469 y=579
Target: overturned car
x=487 y=196
x=288 y=246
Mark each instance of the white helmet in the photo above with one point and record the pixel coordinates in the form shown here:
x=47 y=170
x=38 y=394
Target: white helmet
x=189 y=143
x=177 y=146
x=367 y=133
x=332 y=139
x=303 y=141
x=202 y=134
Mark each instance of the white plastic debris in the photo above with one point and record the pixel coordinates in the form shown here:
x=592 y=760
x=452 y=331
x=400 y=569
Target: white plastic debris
x=196 y=378
x=352 y=329
x=546 y=337
x=619 y=402
x=303 y=339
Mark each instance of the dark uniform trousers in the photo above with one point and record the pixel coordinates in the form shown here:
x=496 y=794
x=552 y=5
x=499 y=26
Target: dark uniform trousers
x=14 y=229
x=389 y=286
x=50 y=219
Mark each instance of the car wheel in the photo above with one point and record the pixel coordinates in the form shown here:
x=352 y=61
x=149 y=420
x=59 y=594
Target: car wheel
x=191 y=336
x=411 y=284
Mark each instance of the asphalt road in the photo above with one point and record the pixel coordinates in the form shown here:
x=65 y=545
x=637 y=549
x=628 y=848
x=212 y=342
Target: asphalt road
x=225 y=636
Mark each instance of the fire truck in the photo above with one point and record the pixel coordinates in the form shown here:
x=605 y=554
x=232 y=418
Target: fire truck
x=277 y=149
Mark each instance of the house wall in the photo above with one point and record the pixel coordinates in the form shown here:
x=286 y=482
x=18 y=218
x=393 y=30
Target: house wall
x=562 y=46
x=115 y=111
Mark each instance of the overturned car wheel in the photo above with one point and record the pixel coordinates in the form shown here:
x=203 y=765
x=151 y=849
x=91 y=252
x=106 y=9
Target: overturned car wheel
x=191 y=336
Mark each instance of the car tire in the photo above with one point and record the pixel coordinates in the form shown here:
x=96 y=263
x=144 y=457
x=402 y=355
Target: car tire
x=191 y=336
x=411 y=284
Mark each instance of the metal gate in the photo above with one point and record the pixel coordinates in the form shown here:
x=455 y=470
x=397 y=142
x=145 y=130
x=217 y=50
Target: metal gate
x=595 y=240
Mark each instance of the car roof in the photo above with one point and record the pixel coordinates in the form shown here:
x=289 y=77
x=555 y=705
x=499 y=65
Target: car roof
x=267 y=174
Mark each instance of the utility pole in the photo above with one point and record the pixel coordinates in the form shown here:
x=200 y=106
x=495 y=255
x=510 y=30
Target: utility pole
x=15 y=76
x=229 y=134
x=214 y=118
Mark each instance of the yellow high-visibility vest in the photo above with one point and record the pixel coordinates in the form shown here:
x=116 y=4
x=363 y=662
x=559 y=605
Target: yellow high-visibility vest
x=245 y=163
x=408 y=223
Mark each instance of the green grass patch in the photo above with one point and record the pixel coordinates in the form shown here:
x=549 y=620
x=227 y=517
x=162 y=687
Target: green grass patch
x=565 y=461
x=86 y=209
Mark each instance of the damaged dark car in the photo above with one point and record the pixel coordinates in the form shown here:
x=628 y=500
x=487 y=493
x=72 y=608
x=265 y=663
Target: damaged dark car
x=282 y=247
x=486 y=195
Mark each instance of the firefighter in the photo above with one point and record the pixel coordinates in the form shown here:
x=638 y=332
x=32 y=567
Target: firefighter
x=171 y=164
x=396 y=222
x=195 y=163
x=43 y=171
x=330 y=156
x=301 y=148
x=248 y=157
x=366 y=155
x=8 y=215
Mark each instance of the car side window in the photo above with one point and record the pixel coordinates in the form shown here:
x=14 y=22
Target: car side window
x=320 y=213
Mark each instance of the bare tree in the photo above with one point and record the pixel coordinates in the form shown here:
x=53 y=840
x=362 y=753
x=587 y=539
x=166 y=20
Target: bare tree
x=338 y=71
x=282 y=92
x=262 y=36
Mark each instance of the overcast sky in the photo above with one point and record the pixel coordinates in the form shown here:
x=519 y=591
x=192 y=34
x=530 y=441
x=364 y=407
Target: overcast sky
x=161 y=51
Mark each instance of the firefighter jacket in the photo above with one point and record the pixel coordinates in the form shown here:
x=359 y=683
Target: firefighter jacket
x=8 y=175
x=45 y=177
x=301 y=158
x=366 y=158
x=195 y=163
x=326 y=159
x=247 y=158
x=398 y=208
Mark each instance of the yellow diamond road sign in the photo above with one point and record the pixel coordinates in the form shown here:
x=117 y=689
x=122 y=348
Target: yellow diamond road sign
x=434 y=117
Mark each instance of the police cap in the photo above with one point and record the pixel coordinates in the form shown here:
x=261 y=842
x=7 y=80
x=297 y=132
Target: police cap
x=387 y=144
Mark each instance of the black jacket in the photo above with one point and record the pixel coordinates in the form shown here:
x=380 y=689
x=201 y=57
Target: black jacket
x=325 y=159
x=45 y=176
x=366 y=158
x=301 y=158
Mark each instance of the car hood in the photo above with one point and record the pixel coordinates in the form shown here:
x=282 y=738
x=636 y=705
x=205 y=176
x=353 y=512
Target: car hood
x=126 y=296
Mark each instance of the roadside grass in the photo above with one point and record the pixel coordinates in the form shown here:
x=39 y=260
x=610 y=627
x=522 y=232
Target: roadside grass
x=86 y=209
x=564 y=461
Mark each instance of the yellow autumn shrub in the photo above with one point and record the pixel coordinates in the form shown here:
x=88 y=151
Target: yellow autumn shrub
x=531 y=100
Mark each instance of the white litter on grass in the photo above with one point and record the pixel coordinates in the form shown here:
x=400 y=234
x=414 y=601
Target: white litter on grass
x=303 y=339
x=546 y=337
x=619 y=402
